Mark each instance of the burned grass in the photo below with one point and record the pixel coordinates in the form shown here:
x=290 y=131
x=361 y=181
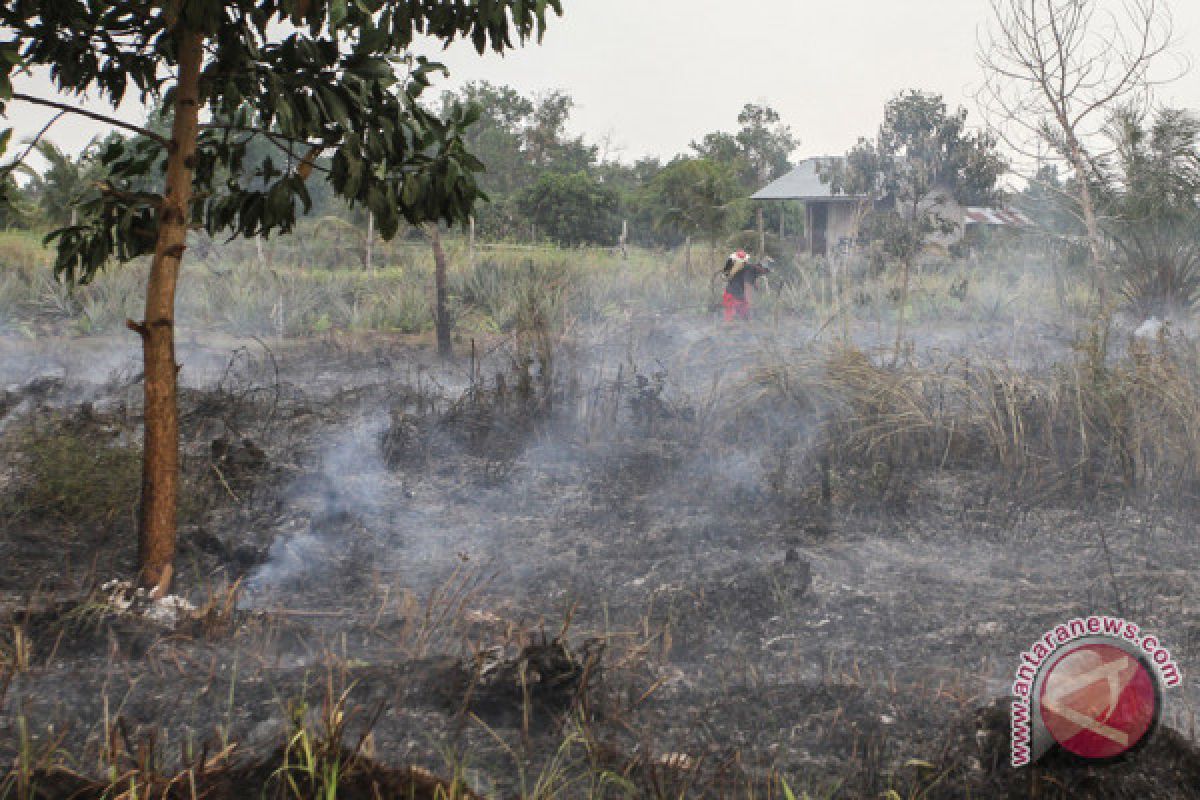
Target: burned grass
x=808 y=578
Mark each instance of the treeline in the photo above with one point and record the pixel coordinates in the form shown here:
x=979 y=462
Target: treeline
x=546 y=184
x=543 y=184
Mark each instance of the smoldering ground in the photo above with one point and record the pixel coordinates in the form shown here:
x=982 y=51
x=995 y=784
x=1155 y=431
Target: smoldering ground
x=652 y=558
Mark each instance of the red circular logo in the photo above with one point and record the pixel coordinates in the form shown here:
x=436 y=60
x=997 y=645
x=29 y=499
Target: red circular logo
x=1099 y=701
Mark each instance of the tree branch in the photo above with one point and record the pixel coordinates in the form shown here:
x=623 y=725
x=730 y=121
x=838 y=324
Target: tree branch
x=10 y=168
x=282 y=141
x=83 y=112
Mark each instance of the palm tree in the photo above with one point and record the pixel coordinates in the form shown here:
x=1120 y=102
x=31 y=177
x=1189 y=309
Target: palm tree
x=1149 y=198
x=65 y=183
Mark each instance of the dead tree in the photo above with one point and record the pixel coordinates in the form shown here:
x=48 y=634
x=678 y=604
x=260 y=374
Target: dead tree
x=1054 y=72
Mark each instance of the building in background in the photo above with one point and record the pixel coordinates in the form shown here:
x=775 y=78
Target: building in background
x=830 y=220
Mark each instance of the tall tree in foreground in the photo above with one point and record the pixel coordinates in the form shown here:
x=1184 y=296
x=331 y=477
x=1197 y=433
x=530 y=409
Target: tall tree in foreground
x=1054 y=73
x=312 y=77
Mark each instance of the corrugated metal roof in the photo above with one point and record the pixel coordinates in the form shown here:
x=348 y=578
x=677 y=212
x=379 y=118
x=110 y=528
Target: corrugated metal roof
x=802 y=183
x=977 y=215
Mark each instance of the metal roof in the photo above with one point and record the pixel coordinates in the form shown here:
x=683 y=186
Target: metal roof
x=976 y=215
x=802 y=183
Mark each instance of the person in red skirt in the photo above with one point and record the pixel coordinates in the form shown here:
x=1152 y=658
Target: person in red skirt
x=740 y=276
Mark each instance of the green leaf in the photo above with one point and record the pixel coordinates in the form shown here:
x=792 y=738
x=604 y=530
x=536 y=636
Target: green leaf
x=337 y=13
x=374 y=69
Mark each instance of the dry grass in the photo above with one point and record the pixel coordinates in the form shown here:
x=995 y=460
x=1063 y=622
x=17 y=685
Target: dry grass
x=1092 y=424
x=72 y=475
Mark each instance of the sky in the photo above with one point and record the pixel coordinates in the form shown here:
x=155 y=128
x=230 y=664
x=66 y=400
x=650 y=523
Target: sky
x=651 y=76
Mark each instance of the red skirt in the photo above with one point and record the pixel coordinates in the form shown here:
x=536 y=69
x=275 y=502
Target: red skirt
x=735 y=308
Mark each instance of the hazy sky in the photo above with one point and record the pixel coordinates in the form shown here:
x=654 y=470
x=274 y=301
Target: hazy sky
x=653 y=75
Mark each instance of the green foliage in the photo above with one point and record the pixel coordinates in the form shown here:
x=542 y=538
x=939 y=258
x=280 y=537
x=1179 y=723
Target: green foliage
x=1149 y=196
x=1047 y=198
x=311 y=78
x=760 y=150
x=922 y=157
x=66 y=183
x=571 y=210
x=519 y=139
x=695 y=197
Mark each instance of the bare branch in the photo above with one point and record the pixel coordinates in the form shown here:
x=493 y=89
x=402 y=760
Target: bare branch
x=18 y=162
x=83 y=112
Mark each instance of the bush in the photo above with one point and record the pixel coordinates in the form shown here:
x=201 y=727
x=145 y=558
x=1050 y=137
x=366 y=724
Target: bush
x=571 y=210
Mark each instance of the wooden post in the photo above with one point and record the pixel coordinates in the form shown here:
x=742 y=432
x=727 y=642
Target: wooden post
x=624 y=243
x=808 y=231
x=762 y=235
x=471 y=242
x=369 y=255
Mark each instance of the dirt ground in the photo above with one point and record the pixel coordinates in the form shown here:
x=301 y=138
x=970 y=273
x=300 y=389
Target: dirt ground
x=535 y=581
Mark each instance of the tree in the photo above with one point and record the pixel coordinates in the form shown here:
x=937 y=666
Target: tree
x=571 y=209
x=519 y=138
x=497 y=138
x=695 y=196
x=721 y=147
x=441 y=311
x=1149 y=199
x=1055 y=70
x=766 y=144
x=760 y=150
x=310 y=77
x=759 y=153
x=922 y=157
x=546 y=141
x=65 y=183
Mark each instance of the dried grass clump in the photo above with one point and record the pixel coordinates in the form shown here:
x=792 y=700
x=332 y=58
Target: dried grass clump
x=72 y=474
x=1095 y=423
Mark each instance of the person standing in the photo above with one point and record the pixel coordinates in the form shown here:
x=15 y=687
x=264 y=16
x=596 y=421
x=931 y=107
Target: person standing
x=740 y=276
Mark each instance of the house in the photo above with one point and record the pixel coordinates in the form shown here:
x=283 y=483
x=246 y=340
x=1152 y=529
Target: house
x=830 y=220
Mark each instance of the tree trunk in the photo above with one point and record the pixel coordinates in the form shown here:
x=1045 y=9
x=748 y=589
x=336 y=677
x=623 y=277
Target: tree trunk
x=441 y=317
x=1088 y=207
x=160 y=464
x=261 y=252
x=1095 y=241
x=900 y=312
